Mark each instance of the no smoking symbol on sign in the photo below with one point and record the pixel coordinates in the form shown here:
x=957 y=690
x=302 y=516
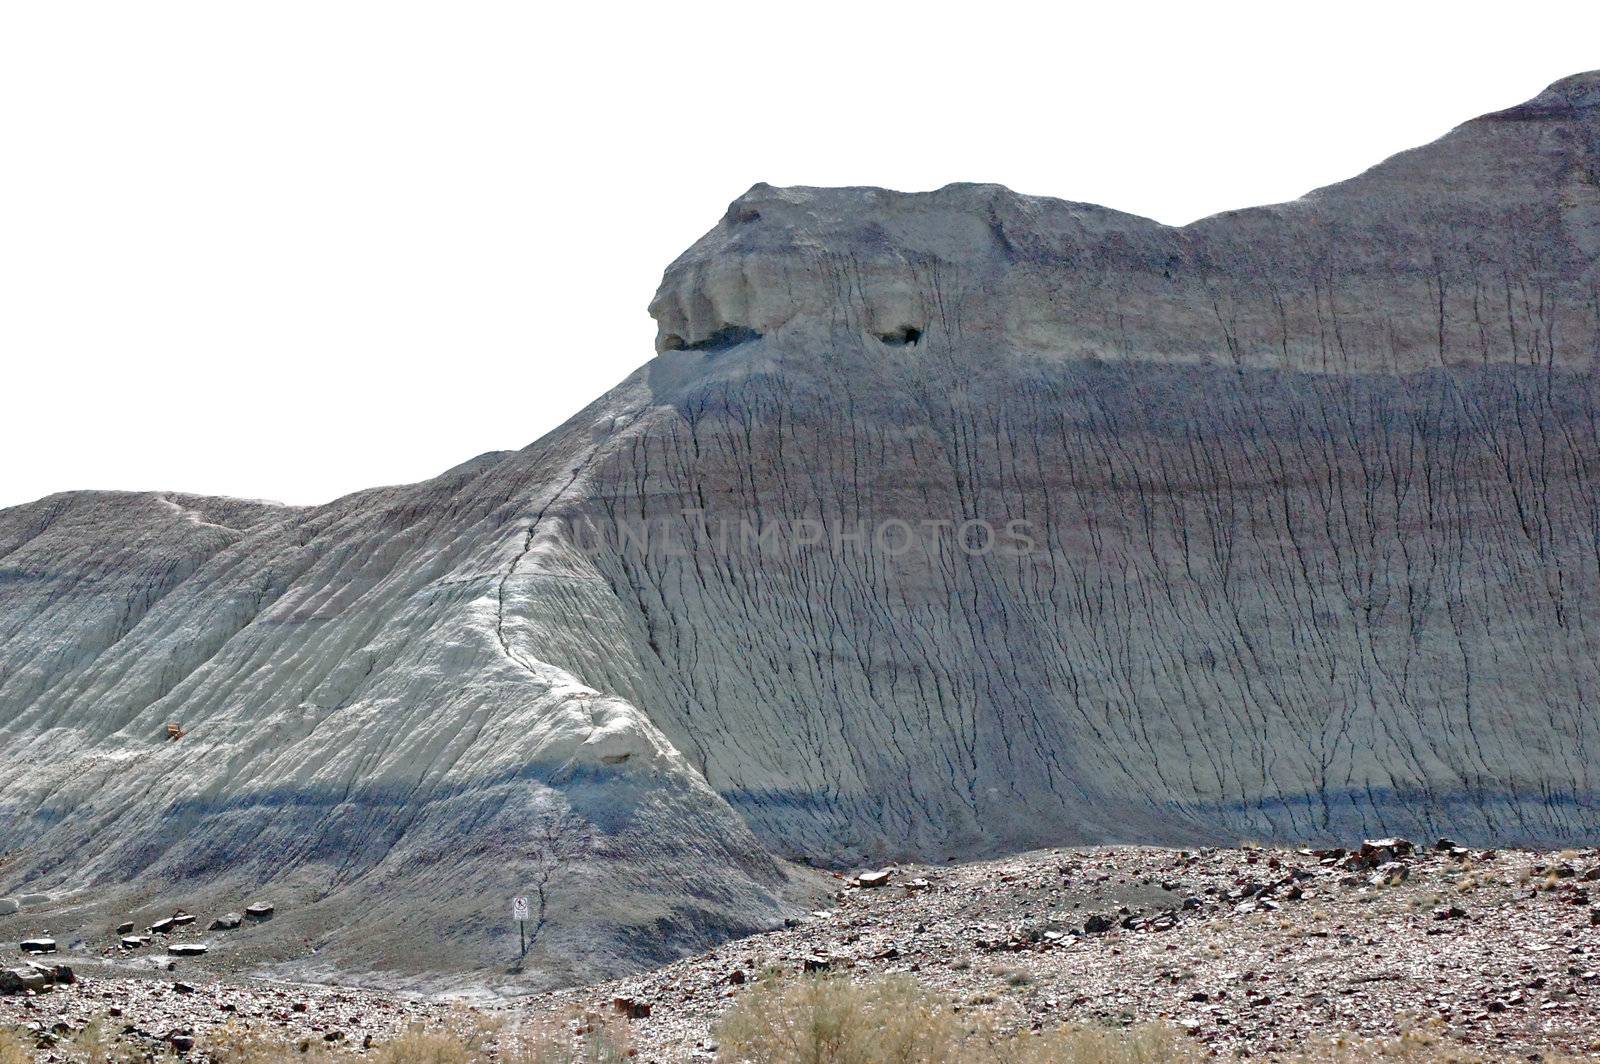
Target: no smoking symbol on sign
x=519 y=913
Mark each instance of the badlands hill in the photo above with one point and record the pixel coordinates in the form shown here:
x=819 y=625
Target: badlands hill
x=941 y=525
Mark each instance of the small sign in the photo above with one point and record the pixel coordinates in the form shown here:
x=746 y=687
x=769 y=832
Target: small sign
x=519 y=908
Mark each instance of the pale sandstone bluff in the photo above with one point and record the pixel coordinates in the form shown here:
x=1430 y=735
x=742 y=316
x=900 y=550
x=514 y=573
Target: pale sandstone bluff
x=1309 y=547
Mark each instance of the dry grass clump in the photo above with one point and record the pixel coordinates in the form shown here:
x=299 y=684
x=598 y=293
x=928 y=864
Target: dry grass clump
x=93 y=1045
x=586 y=1038
x=590 y=1038
x=782 y=1020
x=1145 y=1044
x=1423 y=1044
x=830 y=1020
x=460 y=1039
x=464 y=1038
x=12 y=1049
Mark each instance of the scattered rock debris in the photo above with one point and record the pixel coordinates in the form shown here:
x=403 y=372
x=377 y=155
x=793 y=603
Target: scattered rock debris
x=1248 y=950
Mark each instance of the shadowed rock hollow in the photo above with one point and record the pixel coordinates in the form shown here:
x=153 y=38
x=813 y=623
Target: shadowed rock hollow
x=943 y=524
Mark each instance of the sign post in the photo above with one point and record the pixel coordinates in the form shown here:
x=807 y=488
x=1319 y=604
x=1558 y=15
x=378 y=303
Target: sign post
x=519 y=913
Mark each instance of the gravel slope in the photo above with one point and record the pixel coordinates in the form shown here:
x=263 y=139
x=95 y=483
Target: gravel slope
x=1502 y=951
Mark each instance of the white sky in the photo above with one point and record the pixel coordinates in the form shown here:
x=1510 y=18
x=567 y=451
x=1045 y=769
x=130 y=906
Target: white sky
x=290 y=250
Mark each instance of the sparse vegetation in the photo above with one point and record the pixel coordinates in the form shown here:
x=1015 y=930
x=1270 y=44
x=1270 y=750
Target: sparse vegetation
x=824 y=1019
x=586 y=1038
x=94 y=1045
x=894 y=1020
x=13 y=1050
x=1015 y=977
x=236 y=1044
x=831 y=1020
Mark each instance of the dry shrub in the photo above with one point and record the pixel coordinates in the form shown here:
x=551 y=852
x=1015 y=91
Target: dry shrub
x=12 y=1049
x=462 y=1038
x=438 y=1045
x=1146 y=1044
x=578 y=1038
x=237 y=1044
x=92 y=1045
x=830 y=1020
x=1423 y=1044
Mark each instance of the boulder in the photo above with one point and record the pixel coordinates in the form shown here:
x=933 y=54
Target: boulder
x=1377 y=852
x=634 y=1010
x=226 y=922
x=20 y=980
x=54 y=974
x=1357 y=862
x=259 y=911
x=181 y=919
x=1390 y=874
x=873 y=879
x=1398 y=846
x=38 y=945
x=1365 y=858
x=163 y=926
x=8 y=906
x=1098 y=924
x=134 y=941
x=125 y=928
x=186 y=949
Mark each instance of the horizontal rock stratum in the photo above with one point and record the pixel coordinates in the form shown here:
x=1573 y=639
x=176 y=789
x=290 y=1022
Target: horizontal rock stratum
x=942 y=524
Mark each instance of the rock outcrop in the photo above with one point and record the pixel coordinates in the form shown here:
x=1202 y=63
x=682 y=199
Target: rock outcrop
x=942 y=524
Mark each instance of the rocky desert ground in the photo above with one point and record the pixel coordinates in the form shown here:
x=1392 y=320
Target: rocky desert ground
x=1251 y=951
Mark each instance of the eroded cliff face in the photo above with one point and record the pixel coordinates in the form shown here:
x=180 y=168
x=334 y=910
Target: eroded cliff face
x=1308 y=488
x=942 y=524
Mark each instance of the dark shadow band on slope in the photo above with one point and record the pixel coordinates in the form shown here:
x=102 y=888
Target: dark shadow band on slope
x=653 y=873
x=270 y=832
x=1491 y=817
